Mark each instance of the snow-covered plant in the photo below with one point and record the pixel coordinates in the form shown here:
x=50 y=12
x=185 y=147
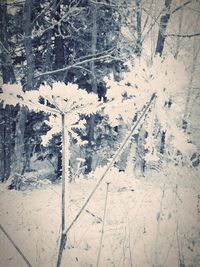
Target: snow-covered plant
x=55 y=100
x=63 y=103
x=168 y=79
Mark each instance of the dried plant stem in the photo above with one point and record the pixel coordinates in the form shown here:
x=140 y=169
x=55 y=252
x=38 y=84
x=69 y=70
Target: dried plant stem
x=15 y=246
x=118 y=152
x=103 y=225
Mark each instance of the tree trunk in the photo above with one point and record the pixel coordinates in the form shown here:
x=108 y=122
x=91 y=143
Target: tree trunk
x=19 y=150
x=47 y=61
x=159 y=51
x=30 y=67
x=138 y=47
x=59 y=46
x=94 y=47
x=140 y=162
x=6 y=66
x=2 y=145
x=162 y=28
x=8 y=76
x=8 y=142
x=18 y=156
x=188 y=104
x=94 y=84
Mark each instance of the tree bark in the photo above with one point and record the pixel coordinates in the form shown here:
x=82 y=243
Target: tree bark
x=162 y=28
x=93 y=83
x=47 y=61
x=18 y=156
x=2 y=145
x=138 y=48
x=30 y=67
x=19 y=150
x=140 y=162
x=59 y=46
x=6 y=66
x=188 y=104
x=8 y=76
x=94 y=47
x=159 y=51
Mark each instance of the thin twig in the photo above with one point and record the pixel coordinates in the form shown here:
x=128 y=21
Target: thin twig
x=77 y=64
x=91 y=213
x=181 y=6
x=189 y=35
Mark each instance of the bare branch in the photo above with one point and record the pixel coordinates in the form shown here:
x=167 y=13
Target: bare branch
x=155 y=21
x=77 y=64
x=14 y=3
x=96 y=55
x=111 y=4
x=157 y=18
x=181 y=6
x=4 y=48
x=183 y=35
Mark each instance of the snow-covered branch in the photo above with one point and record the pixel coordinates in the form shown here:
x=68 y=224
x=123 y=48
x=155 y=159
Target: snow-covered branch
x=78 y=64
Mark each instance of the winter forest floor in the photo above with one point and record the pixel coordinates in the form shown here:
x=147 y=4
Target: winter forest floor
x=149 y=221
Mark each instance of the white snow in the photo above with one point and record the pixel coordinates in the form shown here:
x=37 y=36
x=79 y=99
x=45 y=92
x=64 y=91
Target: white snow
x=151 y=221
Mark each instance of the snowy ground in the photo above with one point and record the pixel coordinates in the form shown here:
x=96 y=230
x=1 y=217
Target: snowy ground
x=151 y=221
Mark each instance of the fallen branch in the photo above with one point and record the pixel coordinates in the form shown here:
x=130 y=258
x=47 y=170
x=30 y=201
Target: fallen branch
x=120 y=149
x=15 y=246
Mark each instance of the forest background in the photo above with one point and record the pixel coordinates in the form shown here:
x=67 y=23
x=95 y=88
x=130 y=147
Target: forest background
x=105 y=62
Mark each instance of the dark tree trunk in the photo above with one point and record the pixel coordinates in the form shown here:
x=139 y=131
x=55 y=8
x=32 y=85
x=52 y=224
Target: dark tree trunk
x=2 y=145
x=30 y=68
x=162 y=28
x=8 y=76
x=19 y=161
x=8 y=141
x=47 y=61
x=58 y=45
x=140 y=150
x=94 y=83
x=159 y=51
x=138 y=47
x=162 y=141
x=6 y=66
x=19 y=153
